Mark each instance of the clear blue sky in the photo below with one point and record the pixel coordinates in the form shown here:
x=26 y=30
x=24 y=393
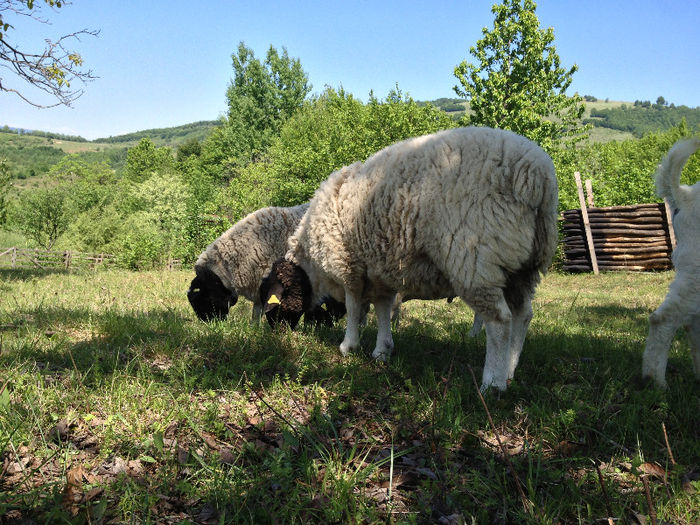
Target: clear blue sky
x=166 y=63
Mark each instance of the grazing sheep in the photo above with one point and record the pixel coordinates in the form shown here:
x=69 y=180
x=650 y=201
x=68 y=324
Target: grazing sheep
x=469 y=212
x=681 y=305
x=235 y=263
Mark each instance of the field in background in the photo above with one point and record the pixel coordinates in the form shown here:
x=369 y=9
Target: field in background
x=117 y=405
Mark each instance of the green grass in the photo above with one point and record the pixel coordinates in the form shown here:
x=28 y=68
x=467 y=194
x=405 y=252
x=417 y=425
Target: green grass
x=117 y=405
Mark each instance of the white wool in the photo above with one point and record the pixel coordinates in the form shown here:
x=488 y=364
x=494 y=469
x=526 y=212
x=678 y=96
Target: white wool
x=244 y=253
x=452 y=213
x=681 y=306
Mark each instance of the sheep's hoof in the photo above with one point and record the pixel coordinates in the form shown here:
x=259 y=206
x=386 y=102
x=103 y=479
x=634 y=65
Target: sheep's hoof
x=492 y=389
x=346 y=348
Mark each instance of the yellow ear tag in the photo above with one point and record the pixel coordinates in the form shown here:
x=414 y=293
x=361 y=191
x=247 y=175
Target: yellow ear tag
x=273 y=300
x=324 y=306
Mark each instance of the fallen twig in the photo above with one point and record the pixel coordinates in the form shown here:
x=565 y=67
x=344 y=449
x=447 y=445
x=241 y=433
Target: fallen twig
x=668 y=446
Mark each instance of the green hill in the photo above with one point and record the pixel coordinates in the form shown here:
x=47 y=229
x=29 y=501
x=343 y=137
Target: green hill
x=32 y=153
x=171 y=137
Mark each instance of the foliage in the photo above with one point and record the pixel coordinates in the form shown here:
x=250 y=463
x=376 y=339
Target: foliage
x=642 y=118
x=517 y=82
x=146 y=159
x=261 y=97
x=42 y=214
x=621 y=172
x=51 y=70
x=118 y=405
x=334 y=130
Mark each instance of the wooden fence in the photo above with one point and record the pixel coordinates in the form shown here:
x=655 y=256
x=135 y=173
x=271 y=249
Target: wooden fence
x=36 y=258
x=632 y=238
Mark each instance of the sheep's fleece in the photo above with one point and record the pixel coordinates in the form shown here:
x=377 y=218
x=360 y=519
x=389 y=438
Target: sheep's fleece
x=235 y=263
x=681 y=305
x=469 y=212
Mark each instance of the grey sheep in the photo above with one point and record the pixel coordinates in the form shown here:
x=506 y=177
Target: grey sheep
x=235 y=263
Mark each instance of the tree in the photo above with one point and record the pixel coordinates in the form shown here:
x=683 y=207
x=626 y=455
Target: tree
x=145 y=159
x=261 y=97
x=51 y=70
x=43 y=214
x=518 y=82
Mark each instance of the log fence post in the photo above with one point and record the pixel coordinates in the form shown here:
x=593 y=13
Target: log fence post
x=586 y=223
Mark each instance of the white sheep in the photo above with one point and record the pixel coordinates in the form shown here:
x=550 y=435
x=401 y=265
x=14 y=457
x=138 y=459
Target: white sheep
x=681 y=306
x=235 y=263
x=469 y=212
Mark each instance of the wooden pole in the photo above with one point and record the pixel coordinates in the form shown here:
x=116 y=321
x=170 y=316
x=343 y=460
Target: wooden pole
x=586 y=224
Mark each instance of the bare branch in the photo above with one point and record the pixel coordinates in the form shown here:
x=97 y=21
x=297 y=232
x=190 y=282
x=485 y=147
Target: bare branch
x=54 y=70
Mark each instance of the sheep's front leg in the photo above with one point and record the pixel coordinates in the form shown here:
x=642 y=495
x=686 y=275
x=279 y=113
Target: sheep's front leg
x=519 y=325
x=498 y=346
x=694 y=338
x=353 y=307
x=385 y=343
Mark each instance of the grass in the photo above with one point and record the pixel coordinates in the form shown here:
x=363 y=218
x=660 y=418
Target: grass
x=117 y=405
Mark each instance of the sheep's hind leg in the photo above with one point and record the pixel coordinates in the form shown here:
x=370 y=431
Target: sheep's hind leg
x=519 y=325
x=385 y=343
x=353 y=307
x=498 y=348
x=694 y=338
x=663 y=324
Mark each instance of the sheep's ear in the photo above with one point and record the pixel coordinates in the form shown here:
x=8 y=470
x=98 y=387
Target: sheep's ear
x=274 y=296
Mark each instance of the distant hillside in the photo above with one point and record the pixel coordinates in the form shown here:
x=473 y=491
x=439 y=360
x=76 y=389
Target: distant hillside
x=32 y=153
x=171 y=137
x=643 y=117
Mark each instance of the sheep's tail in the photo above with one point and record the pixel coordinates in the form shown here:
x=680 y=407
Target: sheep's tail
x=668 y=174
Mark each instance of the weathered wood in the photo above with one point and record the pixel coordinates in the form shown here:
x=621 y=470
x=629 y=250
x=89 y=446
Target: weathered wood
x=587 y=227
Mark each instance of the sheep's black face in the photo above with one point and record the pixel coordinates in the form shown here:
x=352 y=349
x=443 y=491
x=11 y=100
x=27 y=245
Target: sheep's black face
x=285 y=293
x=327 y=313
x=209 y=298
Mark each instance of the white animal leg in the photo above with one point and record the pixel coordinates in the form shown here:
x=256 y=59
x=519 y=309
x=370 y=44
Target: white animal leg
x=519 y=325
x=498 y=340
x=385 y=344
x=353 y=307
x=663 y=324
x=694 y=338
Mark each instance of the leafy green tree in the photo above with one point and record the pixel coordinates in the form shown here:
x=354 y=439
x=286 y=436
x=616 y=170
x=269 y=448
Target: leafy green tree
x=190 y=148
x=261 y=97
x=145 y=159
x=328 y=132
x=517 y=81
x=43 y=214
x=51 y=70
